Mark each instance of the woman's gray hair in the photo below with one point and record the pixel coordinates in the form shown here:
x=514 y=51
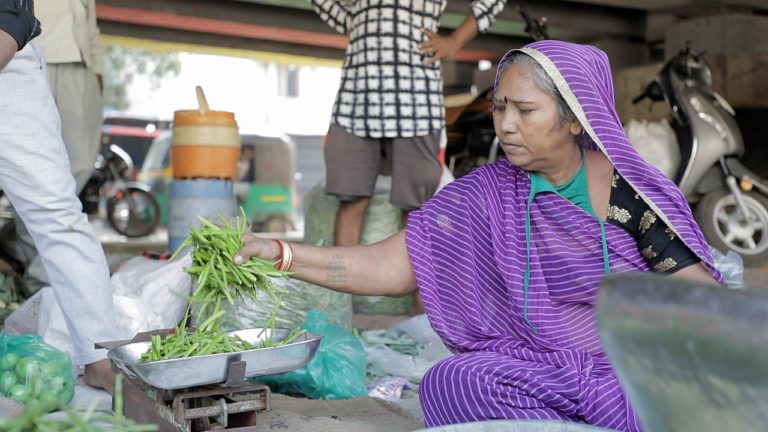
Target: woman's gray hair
x=541 y=79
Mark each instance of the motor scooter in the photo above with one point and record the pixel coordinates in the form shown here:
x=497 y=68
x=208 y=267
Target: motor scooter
x=132 y=210
x=730 y=202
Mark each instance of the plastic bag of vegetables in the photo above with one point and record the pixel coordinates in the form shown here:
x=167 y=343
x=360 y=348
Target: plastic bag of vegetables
x=31 y=370
x=337 y=371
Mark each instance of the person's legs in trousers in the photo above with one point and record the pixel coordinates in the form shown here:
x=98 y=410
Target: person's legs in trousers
x=77 y=97
x=351 y=169
x=34 y=171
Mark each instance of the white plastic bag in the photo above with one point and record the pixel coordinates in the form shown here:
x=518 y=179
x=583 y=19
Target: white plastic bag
x=657 y=144
x=385 y=361
x=24 y=319
x=160 y=286
x=130 y=314
x=147 y=295
x=446 y=176
x=731 y=266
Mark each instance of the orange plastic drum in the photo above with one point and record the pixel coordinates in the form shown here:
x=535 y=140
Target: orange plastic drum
x=206 y=144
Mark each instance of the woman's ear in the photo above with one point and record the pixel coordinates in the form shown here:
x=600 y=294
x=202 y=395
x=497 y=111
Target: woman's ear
x=575 y=127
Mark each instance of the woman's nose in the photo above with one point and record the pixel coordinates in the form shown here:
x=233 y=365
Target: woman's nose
x=508 y=121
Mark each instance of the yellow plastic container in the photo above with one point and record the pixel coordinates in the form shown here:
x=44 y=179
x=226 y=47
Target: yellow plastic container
x=205 y=144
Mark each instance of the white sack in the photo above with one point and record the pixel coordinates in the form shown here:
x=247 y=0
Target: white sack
x=657 y=144
x=147 y=295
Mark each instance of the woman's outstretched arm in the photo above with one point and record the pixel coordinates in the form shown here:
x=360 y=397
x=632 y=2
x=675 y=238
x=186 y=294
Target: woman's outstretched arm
x=382 y=268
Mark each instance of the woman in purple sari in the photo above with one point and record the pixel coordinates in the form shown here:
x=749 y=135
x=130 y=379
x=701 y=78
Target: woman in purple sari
x=508 y=258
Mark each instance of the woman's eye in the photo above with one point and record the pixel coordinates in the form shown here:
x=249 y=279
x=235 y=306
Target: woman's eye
x=498 y=107
x=525 y=111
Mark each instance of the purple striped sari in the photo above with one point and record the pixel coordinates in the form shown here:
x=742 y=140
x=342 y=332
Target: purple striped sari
x=467 y=248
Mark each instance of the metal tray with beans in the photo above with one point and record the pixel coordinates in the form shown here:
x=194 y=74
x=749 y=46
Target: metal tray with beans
x=275 y=357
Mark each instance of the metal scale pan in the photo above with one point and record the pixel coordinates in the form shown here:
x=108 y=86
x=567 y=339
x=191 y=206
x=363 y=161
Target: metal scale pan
x=215 y=368
x=691 y=357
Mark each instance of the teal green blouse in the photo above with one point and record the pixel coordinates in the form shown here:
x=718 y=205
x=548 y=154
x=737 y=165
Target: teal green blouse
x=575 y=190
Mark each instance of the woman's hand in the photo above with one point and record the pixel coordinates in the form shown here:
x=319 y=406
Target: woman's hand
x=258 y=247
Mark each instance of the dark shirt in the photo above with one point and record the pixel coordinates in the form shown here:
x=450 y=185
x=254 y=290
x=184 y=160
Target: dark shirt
x=662 y=249
x=17 y=18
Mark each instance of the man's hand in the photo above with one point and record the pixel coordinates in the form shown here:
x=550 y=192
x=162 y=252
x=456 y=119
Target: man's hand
x=446 y=46
x=439 y=47
x=8 y=48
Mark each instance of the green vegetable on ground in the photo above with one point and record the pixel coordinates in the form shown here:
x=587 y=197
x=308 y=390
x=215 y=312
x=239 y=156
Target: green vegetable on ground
x=34 y=419
x=31 y=371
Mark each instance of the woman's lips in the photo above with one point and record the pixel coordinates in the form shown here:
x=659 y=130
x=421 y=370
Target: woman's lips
x=511 y=147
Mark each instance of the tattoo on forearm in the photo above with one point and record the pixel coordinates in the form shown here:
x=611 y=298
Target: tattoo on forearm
x=336 y=269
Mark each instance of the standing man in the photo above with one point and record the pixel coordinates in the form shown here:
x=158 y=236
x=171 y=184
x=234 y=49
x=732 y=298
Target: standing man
x=34 y=172
x=73 y=55
x=390 y=101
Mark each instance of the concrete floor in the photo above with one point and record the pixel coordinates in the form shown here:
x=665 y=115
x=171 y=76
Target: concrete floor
x=756 y=278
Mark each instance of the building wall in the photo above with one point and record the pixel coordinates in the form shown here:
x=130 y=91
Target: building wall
x=731 y=34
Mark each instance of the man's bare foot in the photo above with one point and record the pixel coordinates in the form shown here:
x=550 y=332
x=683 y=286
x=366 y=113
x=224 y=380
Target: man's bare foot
x=100 y=375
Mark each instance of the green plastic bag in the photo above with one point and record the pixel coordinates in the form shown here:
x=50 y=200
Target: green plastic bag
x=337 y=371
x=33 y=371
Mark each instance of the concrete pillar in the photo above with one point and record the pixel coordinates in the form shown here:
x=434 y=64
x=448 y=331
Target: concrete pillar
x=726 y=34
x=623 y=53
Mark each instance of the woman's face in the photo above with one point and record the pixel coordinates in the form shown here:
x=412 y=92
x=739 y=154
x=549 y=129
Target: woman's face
x=528 y=125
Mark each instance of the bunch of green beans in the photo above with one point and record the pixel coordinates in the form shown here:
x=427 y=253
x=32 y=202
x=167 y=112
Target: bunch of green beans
x=218 y=279
x=182 y=344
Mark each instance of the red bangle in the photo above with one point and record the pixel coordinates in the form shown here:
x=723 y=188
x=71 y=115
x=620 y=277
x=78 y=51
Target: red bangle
x=279 y=262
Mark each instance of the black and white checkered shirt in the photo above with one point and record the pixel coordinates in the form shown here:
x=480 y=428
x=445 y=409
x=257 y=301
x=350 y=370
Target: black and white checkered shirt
x=386 y=89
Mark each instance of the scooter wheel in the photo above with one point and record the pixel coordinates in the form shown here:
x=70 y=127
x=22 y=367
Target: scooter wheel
x=725 y=229
x=133 y=212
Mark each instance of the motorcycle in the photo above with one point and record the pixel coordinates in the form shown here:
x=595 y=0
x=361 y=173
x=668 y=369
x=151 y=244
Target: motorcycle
x=132 y=210
x=471 y=137
x=730 y=202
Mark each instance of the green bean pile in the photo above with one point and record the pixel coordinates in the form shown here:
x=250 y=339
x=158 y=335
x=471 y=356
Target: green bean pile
x=206 y=339
x=218 y=279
